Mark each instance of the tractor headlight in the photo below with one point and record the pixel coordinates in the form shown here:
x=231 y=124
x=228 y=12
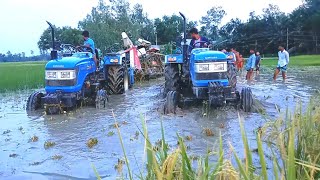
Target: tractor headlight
x=69 y=74
x=60 y=75
x=218 y=67
x=51 y=74
x=172 y=59
x=211 y=67
x=114 y=60
x=204 y=67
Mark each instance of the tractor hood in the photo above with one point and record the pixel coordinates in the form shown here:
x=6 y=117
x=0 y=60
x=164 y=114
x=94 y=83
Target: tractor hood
x=68 y=62
x=209 y=55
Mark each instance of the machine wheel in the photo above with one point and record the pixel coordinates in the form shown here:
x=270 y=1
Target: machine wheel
x=171 y=103
x=34 y=101
x=246 y=99
x=115 y=82
x=232 y=75
x=172 y=78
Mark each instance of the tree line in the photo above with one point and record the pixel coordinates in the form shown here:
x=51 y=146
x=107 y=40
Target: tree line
x=299 y=30
x=20 y=57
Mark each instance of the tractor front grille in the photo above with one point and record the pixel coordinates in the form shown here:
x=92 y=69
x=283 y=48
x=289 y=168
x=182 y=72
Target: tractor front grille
x=211 y=76
x=60 y=83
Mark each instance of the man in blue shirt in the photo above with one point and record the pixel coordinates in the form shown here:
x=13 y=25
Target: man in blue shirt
x=88 y=42
x=197 y=40
x=231 y=56
x=251 y=63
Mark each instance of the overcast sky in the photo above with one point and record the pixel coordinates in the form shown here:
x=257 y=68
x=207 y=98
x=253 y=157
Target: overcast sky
x=23 y=21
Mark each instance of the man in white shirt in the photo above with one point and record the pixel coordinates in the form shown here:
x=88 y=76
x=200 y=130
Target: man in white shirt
x=283 y=61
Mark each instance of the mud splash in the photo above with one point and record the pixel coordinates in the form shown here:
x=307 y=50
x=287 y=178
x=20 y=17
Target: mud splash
x=22 y=136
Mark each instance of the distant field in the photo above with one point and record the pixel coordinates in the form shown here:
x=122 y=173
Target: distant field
x=306 y=60
x=21 y=75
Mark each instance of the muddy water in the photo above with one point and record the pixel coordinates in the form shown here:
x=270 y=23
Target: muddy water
x=21 y=158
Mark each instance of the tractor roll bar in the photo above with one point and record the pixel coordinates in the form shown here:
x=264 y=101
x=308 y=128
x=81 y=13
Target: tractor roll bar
x=184 y=28
x=184 y=46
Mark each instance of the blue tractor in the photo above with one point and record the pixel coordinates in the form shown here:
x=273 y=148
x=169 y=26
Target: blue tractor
x=72 y=79
x=199 y=75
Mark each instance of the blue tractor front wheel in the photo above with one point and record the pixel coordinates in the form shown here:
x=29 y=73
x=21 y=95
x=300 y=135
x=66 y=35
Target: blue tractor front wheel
x=246 y=99
x=172 y=78
x=34 y=101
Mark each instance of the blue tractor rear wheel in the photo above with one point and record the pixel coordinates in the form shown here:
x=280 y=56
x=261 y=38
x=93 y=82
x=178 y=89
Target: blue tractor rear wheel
x=246 y=99
x=172 y=78
x=115 y=81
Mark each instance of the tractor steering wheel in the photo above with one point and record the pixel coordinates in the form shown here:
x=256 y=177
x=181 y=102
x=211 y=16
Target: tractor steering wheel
x=203 y=44
x=84 y=49
x=67 y=49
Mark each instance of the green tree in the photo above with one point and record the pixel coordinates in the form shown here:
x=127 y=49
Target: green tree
x=106 y=22
x=65 y=35
x=145 y=25
x=211 y=22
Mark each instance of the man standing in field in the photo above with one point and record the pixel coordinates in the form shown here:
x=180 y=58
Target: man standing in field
x=258 y=61
x=251 y=63
x=237 y=56
x=283 y=61
x=231 y=55
x=240 y=63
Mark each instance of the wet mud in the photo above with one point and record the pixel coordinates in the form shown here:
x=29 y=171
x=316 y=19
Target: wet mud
x=68 y=146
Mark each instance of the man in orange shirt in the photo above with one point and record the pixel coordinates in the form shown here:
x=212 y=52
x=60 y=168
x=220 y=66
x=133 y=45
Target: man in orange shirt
x=240 y=62
x=238 y=59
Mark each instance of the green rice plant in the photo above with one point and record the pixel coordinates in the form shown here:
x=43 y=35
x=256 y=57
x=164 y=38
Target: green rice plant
x=21 y=75
x=248 y=165
x=122 y=147
x=295 y=140
x=304 y=60
x=261 y=156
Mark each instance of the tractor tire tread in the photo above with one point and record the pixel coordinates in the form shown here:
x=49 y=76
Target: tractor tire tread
x=115 y=82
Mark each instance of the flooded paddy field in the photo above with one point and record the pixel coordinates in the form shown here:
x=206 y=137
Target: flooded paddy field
x=56 y=147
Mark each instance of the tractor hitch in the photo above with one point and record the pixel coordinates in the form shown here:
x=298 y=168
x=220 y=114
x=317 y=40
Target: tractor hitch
x=216 y=92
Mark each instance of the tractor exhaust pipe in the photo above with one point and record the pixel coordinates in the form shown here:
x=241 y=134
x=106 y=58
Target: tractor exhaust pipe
x=184 y=46
x=54 y=53
x=184 y=28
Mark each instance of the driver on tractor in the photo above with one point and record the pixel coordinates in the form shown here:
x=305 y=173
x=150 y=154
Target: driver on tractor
x=197 y=40
x=88 y=43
